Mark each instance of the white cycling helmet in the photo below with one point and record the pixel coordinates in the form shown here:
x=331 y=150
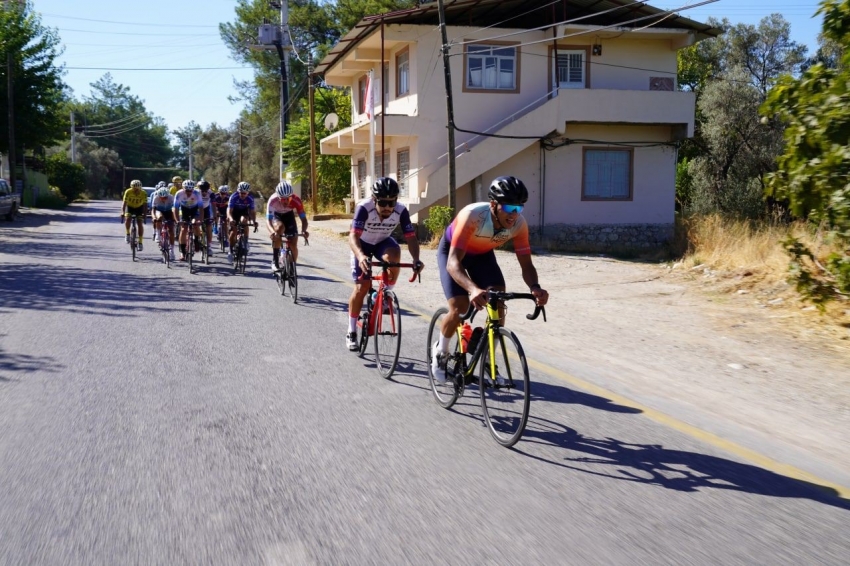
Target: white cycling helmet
x=243 y=187
x=224 y=189
x=188 y=184
x=162 y=192
x=284 y=189
x=136 y=184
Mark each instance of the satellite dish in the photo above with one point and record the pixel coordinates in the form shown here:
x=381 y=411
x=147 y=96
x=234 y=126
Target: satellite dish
x=331 y=121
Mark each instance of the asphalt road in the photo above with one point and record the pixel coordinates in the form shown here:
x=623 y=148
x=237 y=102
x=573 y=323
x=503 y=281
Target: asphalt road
x=150 y=416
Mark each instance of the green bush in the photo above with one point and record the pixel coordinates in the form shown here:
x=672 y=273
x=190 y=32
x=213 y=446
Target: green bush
x=69 y=177
x=52 y=199
x=439 y=217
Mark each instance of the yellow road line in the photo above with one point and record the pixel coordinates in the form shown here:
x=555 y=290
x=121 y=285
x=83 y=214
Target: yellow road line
x=751 y=456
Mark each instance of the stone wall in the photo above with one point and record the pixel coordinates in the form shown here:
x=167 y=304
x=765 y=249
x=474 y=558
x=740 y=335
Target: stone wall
x=605 y=236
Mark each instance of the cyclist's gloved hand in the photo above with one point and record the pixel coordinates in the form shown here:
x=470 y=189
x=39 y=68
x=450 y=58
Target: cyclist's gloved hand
x=122 y=217
x=418 y=266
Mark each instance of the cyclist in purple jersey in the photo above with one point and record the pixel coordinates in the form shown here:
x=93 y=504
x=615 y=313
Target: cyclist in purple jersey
x=240 y=205
x=374 y=221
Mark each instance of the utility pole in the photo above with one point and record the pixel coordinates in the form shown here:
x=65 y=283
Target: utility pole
x=10 y=99
x=284 y=91
x=240 y=150
x=449 y=104
x=191 y=168
x=314 y=183
x=73 y=141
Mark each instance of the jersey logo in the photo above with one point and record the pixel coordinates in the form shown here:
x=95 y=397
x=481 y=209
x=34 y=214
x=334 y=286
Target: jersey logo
x=502 y=236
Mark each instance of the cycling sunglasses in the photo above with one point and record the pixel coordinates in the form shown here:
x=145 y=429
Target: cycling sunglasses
x=511 y=208
x=385 y=203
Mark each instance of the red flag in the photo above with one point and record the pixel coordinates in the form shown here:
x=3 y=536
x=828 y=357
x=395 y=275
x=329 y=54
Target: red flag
x=370 y=102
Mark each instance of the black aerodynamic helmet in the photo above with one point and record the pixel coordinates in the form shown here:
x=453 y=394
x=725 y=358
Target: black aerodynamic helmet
x=508 y=190
x=385 y=187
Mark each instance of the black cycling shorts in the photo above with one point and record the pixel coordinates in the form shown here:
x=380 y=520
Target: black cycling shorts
x=136 y=210
x=189 y=214
x=167 y=215
x=290 y=229
x=483 y=269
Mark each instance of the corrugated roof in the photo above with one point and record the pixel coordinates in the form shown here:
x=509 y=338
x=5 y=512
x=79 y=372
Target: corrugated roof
x=517 y=14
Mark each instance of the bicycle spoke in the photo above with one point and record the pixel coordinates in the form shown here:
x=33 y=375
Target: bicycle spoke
x=505 y=398
x=446 y=393
x=387 y=334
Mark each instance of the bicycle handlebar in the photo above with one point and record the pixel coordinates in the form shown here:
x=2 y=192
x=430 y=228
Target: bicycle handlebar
x=388 y=264
x=495 y=296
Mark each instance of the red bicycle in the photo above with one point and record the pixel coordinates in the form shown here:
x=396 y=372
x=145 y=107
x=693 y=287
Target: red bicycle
x=382 y=319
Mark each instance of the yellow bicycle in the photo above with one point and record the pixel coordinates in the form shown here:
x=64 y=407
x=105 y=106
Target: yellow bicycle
x=503 y=381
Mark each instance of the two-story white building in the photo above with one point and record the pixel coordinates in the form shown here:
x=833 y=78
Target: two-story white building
x=578 y=98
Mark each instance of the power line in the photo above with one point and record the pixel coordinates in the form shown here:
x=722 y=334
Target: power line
x=160 y=69
x=125 y=119
x=128 y=23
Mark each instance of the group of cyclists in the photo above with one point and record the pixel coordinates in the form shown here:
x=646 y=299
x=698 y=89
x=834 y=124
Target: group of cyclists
x=465 y=255
x=199 y=209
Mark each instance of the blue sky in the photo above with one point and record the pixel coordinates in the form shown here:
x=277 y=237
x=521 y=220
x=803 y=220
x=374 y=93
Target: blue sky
x=163 y=34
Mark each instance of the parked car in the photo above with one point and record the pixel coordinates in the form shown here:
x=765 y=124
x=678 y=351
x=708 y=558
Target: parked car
x=10 y=201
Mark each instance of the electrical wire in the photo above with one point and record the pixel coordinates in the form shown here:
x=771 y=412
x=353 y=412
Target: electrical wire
x=547 y=26
x=128 y=23
x=125 y=119
x=507 y=20
x=596 y=29
x=152 y=69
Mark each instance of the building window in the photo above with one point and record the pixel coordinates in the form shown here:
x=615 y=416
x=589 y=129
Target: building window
x=402 y=73
x=362 y=86
x=382 y=166
x=607 y=174
x=361 y=177
x=571 y=69
x=491 y=67
x=403 y=163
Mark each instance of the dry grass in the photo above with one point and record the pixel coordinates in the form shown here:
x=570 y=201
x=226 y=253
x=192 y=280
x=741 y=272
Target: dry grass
x=747 y=260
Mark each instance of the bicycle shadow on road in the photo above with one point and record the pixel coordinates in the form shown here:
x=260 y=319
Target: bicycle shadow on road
x=92 y=291
x=653 y=464
x=320 y=303
x=542 y=391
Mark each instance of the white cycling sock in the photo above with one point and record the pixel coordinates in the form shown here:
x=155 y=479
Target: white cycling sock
x=389 y=287
x=352 y=324
x=444 y=344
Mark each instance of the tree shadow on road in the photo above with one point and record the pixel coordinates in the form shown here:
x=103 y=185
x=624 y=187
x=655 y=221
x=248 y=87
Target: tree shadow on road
x=653 y=464
x=23 y=363
x=92 y=291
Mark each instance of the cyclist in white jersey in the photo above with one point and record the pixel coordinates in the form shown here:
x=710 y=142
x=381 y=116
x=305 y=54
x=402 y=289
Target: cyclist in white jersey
x=187 y=208
x=206 y=211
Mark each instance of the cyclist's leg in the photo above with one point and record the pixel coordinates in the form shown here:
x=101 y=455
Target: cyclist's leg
x=127 y=221
x=361 y=287
x=208 y=220
x=140 y=223
x=389 y=251
x=457 y=297
x=289 y=229
x=277 y=240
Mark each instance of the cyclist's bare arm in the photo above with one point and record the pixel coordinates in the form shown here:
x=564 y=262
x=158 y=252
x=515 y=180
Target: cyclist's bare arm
x=477 y=295
x=354 y=244
x=413 y=248
x=529 y=275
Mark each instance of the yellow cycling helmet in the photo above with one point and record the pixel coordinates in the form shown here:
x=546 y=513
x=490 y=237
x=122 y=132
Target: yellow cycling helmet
x=177 y=180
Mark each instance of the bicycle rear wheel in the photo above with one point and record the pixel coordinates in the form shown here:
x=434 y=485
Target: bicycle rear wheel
x=291 y=276
x=387 y=335
x=445 y=393
x=280 y=278
x=505 y=401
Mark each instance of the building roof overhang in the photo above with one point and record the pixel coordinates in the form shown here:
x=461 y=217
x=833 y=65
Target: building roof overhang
x=521 y=14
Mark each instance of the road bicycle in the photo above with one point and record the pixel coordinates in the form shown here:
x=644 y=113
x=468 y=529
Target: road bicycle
x=287 y=275
x=223 y=242
x=503 y=381
x=192 y=243
x=165 y=241
x=240 y=252
x=382 y=319
x=134 y=234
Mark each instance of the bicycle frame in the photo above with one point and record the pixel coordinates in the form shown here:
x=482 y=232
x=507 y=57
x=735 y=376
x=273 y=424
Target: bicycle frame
x=378 y=305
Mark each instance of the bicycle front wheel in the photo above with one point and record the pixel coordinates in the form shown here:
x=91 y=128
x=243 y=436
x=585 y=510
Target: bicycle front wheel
x=387 y=335
x=133 y=238
x=281 y=282
x=505 y=395
x=190 y=250
x=445 y=393
x=292 y=277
